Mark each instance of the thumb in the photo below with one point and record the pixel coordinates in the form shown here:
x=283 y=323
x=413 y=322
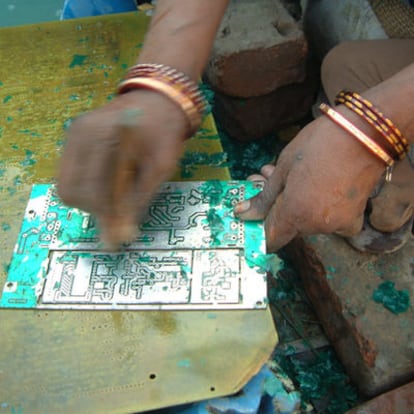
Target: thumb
x=257 y=207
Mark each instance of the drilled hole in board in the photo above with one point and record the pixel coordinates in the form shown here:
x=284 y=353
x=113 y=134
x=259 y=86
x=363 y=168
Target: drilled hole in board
x=152 y=376
x=212 y=389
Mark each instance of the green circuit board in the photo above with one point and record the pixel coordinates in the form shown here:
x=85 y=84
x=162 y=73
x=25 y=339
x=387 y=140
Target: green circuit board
x=190 y=252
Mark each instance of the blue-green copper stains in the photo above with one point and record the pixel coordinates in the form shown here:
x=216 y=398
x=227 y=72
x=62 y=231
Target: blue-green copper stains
x=396 y=301
x=9 y=119
x=78 y=60
x=184 y=363
x=266 y=262
x=5 y=226
x=67 y=123
x=213 y=191
x=17 y=180
x=29 y=132
x=28 y=159
x=216 y=225
x=7 y=99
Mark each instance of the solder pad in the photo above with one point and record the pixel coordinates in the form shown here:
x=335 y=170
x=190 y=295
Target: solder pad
x=190 y=253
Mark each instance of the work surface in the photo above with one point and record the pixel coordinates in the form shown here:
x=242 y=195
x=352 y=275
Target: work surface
x=104 y=361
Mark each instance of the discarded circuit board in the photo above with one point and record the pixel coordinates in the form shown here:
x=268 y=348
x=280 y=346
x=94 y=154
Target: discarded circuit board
x=190 y=253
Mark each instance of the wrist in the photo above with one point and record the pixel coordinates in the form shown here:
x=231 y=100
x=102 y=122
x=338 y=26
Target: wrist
x=171 y=83
x=356 y=147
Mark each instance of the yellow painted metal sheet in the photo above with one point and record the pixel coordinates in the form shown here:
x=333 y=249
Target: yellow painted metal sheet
x=95 y=362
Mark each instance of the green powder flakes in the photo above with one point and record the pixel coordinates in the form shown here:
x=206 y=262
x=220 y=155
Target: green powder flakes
x=216 y=224
x=396 y=301
x=78 y=60
x=213 y=191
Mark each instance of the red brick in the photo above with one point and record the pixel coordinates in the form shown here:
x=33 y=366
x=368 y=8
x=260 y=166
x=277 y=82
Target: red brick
x=248 y=119
x=375 y=345
x=398 y=401
x=259 y=48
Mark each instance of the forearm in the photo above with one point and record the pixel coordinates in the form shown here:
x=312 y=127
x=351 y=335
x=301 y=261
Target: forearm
x=182 y=33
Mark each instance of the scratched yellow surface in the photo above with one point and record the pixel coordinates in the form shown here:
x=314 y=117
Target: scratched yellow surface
x=100 y=362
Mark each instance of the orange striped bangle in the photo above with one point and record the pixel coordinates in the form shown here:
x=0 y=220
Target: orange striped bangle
x=175 y=85
x=373 y=116
x=391 y=142
x=369 y=143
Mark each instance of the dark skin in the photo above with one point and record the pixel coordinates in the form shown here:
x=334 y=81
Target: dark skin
x=321 y=182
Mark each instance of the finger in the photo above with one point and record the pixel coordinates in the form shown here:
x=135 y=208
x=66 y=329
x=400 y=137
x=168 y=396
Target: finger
x=119 y=225
x=353 y=228
x=256 y=208
x=267 y=170
x=256 y=177
x=278 y=226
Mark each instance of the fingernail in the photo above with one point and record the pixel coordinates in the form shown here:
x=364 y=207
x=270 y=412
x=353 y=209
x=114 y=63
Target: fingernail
x=242 y=207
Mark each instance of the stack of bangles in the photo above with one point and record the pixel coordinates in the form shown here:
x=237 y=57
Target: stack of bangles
x=175 y=85
x=389 y=146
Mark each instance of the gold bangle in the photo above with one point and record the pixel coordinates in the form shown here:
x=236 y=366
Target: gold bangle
x=181 y=99
x=372 y=146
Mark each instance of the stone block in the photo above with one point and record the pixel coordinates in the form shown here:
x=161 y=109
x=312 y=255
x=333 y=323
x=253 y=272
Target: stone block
x=375 y=345
x=398 y=401
x=327 y=23
x=259 y=48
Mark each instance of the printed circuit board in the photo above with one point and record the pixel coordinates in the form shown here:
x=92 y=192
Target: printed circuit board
x=190 y=253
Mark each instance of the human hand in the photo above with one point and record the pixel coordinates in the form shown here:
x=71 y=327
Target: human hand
x=320 y=184
x=155 y=128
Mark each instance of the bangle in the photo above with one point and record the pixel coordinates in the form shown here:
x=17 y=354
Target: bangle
x=366 y=110
x=372 y=146
x=175 y=85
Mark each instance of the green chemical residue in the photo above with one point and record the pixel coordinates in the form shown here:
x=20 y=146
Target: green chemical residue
x=7 y=99
x=17 y=180
x=213 y=191
x=266 y=262
x=207 y=133
x=67 y=123
x=191 y=160
x=396 y=301
x=184 y=363
x=78 y=60
x=29 y=132
x=9 y=118
x=28 y=159
x=321 y=378
x=216 y=225
x=5 y=226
